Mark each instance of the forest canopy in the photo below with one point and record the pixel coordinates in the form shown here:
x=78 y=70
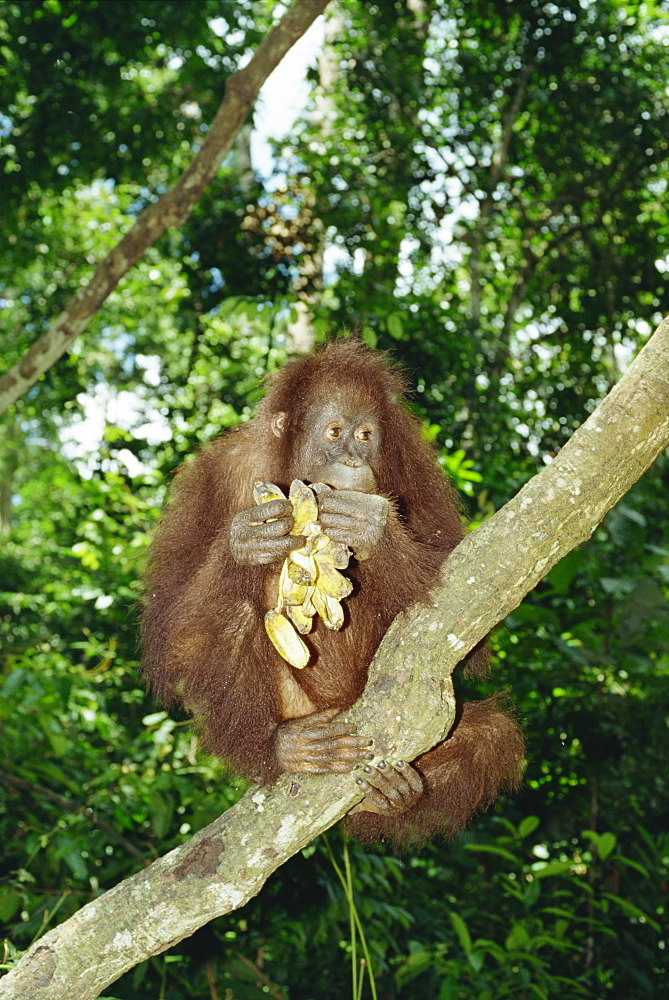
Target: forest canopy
x=479 y=188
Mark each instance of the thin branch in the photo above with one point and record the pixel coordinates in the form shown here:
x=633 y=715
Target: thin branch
x=264 y=981
x=172 y=209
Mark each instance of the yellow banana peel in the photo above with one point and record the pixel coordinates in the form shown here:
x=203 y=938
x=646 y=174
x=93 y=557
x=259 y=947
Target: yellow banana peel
x=310 y=582
x=285 y=640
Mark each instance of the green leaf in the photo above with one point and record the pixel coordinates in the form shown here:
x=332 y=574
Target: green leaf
x=10 y=901
x=395 y=326
x=528 y=826
x=552 y=868
x=532 y=892
x=460 y=928
x=413 y=965
x=154 y=719
x=449 y=990
x=162 y=811
x=12 y=683
x=491 y=849
x=635 y=912
x=476 y=960
x=75 y=863
x=517 y=937
x=604 y=843
x=369 y=336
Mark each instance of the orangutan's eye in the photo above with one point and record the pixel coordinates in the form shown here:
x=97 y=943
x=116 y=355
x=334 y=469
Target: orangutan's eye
x=364 y=434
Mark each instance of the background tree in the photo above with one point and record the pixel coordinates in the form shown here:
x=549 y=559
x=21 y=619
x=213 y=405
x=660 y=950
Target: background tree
x=480 y=187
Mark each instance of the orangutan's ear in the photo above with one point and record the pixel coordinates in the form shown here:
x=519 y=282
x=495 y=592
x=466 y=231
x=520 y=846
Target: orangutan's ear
x=278 y=422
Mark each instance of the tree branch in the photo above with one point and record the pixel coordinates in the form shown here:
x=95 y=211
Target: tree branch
x=172 y=209
x=407 y=705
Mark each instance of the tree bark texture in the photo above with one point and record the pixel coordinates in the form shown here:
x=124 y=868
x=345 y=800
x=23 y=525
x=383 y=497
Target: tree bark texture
x=172 y=209
x=407 y=706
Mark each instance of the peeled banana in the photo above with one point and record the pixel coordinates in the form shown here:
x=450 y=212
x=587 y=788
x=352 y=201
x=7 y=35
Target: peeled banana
x=305 y=509
x=310 y=582
x=286 y=640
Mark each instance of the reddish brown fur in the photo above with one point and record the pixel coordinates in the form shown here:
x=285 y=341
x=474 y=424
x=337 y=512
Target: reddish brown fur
x=203 y=634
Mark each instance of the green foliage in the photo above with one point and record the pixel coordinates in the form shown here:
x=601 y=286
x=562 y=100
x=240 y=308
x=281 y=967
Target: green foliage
x=548 y=911
x=481 y=190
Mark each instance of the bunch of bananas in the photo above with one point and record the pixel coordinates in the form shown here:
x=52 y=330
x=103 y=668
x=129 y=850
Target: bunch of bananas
x=310 y=582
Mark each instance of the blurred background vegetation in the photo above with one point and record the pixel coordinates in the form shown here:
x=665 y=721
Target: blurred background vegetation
x=479 y=187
